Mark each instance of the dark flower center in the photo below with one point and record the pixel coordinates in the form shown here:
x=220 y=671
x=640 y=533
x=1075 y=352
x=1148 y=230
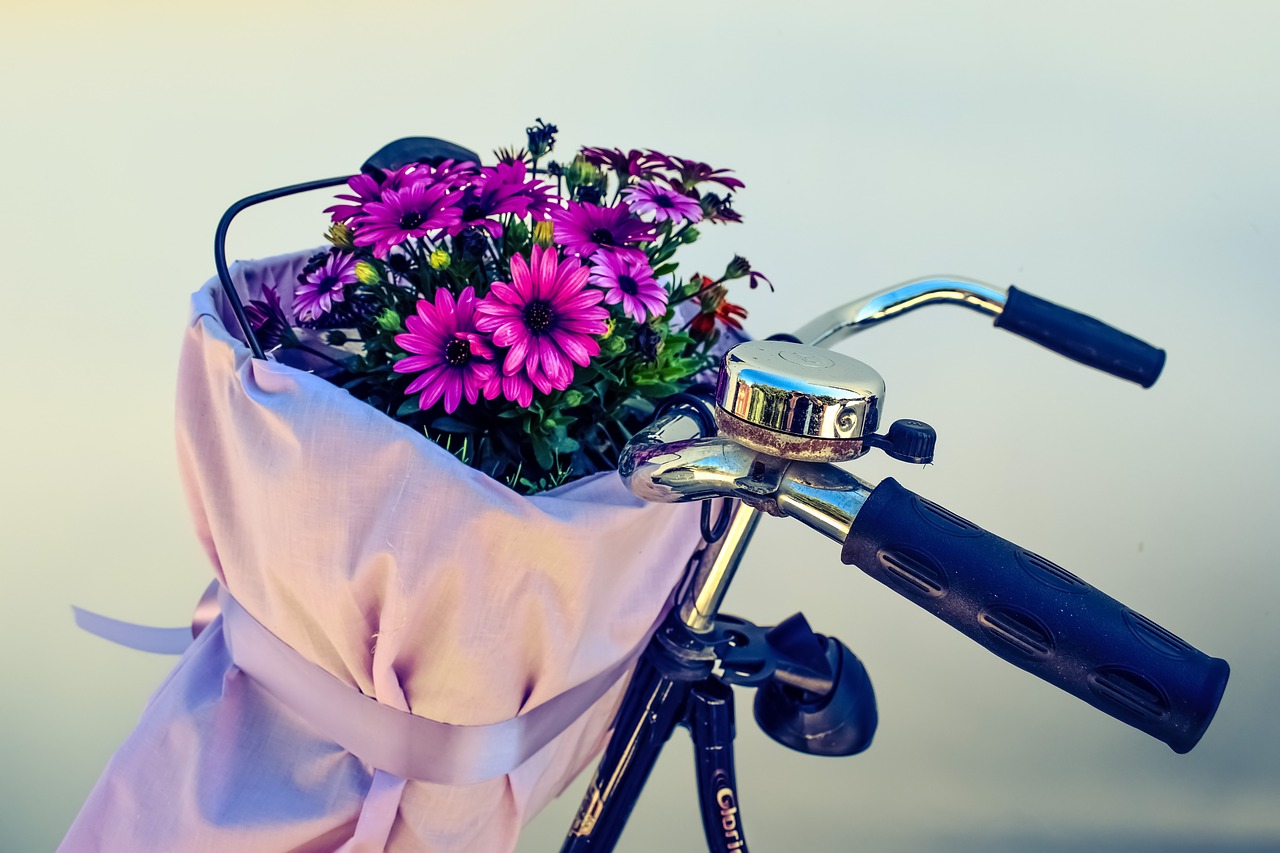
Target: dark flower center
x=327 y=284
x=399 y=264
x=457 y=352
x=411 y=220
x=538 y=316
x=602 y=237
x=627 y=285
x=472 y=211
x=663 y=201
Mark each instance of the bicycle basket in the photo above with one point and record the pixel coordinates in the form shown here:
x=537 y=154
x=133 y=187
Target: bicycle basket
x=397 y=570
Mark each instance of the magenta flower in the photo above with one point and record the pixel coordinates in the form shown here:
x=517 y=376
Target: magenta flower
x=499 y=189
x=633 y=164
x=543 y=200
x=319 y=288
x=515 y=387
x=267 y=319
x=584 y=229
x=690 y=173
x=663 y=202
x=547 y=316
x=413 y=211
x=366 y=189
x=451 y=173
x=628 y=280
x=369 y=188
x=455 y=361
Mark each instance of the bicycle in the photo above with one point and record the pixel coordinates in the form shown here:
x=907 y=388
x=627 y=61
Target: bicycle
x=782 y=413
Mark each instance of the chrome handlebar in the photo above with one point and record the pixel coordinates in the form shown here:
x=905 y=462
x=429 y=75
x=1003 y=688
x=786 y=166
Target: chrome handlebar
x=838 y=324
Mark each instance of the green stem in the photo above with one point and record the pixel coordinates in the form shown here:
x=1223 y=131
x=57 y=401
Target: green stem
x=698 y=292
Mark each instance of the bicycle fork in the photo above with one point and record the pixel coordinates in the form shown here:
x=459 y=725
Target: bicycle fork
x=672 y=685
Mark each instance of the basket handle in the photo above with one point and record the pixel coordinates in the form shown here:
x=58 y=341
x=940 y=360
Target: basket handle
x=413 y=149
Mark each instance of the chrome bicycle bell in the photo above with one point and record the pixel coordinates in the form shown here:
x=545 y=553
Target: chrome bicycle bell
x=800 y=402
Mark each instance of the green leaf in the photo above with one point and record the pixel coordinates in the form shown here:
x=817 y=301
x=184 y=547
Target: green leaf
x=565 y=444
x=543 y=452
x=657 y=389
x=408 y=407
x=665 y=269
x=445 y=423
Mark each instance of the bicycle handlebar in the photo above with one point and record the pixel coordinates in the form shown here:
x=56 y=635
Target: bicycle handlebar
x=1013 y=602
x=1077 y=336
x=1080 y=338
x=1037 y=616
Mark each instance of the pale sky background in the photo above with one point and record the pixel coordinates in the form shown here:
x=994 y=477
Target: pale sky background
x=1117 y=157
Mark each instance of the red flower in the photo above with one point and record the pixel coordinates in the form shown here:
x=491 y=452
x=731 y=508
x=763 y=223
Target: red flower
x=714 y=306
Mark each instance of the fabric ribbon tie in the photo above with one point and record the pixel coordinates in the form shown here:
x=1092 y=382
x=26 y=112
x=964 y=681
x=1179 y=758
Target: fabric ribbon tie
x=388 y=739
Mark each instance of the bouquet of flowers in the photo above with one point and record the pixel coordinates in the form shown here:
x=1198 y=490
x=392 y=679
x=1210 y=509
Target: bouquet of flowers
x=526 y=318
x=432 y=583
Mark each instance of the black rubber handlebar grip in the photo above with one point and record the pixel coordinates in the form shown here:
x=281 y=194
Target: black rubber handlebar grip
x=1081 y=338
x=1037 y=616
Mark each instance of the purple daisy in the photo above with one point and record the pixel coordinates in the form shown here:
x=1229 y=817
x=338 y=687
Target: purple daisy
x=584 y=229
x=633 y=164
x=366 y=189
x=499 y=189
x=369 y=188
x=413 y=211
x=547 y=316
x=628 y=280
x=267 y=319
x=453 y=174
x=320 y=287
x=455 y=361
x=543 y=200
x=663 y=202
x=690 y=173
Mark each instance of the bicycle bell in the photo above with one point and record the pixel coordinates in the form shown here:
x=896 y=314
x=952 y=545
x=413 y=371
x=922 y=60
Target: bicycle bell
x=801 y=402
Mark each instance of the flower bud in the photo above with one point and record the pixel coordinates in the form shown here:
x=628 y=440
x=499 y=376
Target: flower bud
x=544 y=232
x=737 y=268
x=439 y=260
x=541 y=137
x=516 y=235
x=612 y=345
x=389 y=321
x=367 y=274
x=581 y=173
x=340 y=234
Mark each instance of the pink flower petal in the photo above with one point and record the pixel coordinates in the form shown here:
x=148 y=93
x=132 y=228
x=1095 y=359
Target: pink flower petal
x=574 y=347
